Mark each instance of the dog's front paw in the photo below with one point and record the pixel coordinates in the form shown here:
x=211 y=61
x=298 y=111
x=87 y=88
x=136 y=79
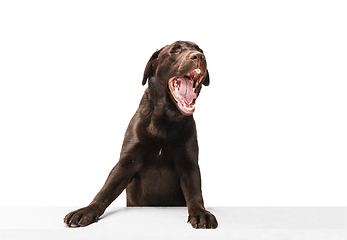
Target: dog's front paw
x=82 y=217
x=202 y=219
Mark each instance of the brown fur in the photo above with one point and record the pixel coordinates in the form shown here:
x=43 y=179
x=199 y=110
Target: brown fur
x=158 y=164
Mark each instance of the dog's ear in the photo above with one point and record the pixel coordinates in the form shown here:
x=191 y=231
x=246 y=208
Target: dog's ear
x=150 y=67
x=206 y=80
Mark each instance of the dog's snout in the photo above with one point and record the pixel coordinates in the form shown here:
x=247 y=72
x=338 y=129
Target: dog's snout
x=197 y=56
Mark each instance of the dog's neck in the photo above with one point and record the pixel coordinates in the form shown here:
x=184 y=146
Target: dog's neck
x=163 y=119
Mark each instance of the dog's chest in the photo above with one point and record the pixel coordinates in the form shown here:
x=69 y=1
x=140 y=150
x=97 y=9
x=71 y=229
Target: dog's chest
x=159 y=164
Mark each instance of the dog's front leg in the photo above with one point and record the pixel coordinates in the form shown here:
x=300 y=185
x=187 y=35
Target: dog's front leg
x=116 y=182
x=199 y=217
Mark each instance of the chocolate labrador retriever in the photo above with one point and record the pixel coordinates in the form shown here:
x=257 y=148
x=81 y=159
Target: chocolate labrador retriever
x=158 y=163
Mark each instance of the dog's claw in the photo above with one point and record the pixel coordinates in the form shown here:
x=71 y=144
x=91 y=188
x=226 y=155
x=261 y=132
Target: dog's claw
x=81 y=217
x=203 y=219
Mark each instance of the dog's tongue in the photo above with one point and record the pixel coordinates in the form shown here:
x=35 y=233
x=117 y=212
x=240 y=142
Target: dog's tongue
x=186 y=89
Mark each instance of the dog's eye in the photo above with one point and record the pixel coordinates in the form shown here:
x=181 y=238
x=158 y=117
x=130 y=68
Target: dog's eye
x=175 y=50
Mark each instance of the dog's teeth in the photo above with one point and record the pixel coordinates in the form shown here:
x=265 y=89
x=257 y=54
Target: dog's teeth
x=189 y=107
x=198 y=71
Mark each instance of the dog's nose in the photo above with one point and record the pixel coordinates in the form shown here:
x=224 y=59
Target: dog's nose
x=197 y=56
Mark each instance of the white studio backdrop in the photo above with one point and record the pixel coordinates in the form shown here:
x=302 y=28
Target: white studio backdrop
x=271 y=125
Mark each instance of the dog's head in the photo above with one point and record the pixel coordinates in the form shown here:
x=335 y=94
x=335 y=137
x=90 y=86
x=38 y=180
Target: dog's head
x=178 y=70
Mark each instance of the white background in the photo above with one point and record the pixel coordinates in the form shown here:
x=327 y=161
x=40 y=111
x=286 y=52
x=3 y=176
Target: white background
x=272 y=125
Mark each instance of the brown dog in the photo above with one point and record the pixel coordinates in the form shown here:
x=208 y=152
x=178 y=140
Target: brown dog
x=158 y=163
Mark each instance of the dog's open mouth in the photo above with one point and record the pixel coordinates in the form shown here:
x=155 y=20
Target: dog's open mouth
x=184 y=90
